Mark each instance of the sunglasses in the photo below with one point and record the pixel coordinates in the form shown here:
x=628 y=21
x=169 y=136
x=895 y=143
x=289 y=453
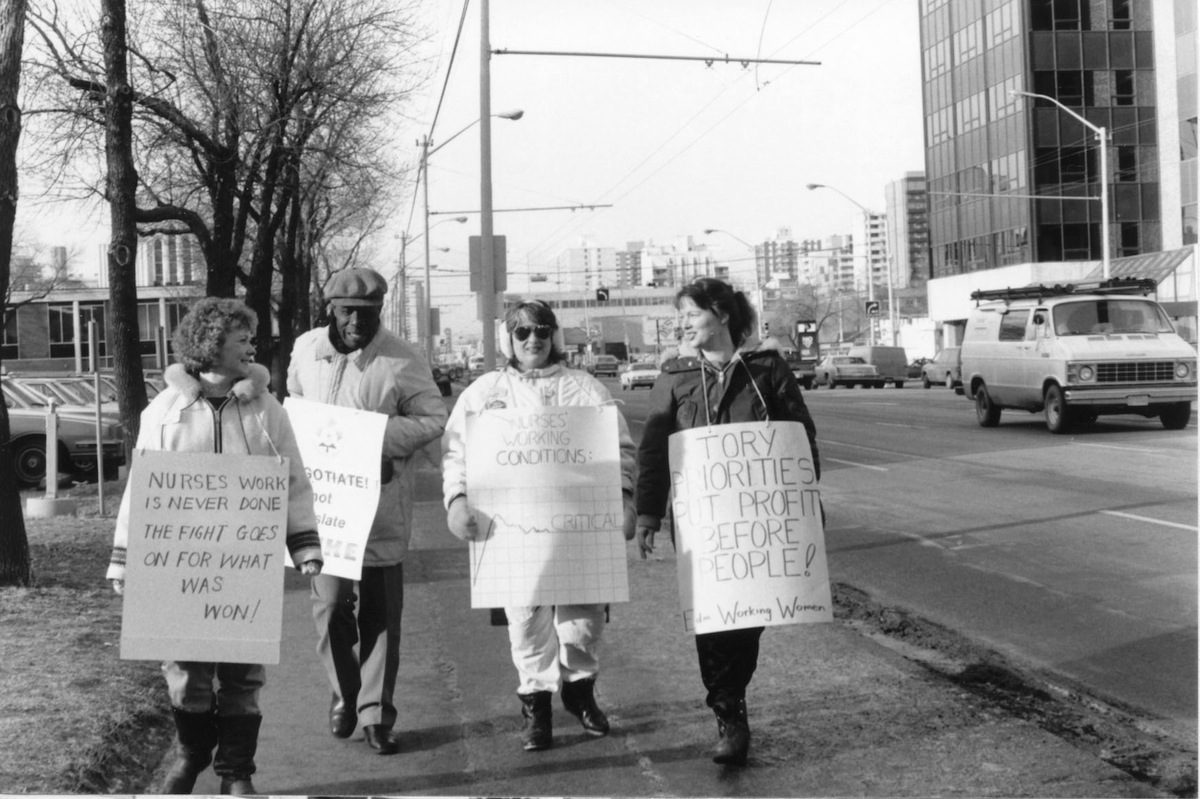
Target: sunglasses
x=542 y=331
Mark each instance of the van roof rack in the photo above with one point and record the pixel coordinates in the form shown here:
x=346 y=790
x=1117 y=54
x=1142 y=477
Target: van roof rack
x=1115 y=285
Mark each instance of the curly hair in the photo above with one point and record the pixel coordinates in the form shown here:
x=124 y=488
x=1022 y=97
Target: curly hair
x=539 y=313
x=201 y=333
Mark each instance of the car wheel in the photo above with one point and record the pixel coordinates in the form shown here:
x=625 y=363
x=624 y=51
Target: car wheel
x=899 y=384
x=29 y=461
x=986 y=411
x=949 y=381
x=925 y=382
x=1176 y=416
x=1058 y=415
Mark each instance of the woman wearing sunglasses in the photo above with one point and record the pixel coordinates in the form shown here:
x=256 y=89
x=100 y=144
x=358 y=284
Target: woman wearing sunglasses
x=553 y=648
x=723 y=380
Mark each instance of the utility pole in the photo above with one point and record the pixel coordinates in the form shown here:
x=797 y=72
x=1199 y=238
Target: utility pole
x=487 y=255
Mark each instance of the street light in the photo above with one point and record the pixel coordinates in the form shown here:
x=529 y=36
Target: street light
x=402 y=272
x=423 y=173
x=867 y=260
x=1102 y=138
x=759 y=297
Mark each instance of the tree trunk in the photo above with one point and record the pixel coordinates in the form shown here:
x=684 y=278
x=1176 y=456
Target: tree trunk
x=293 y=285
x=122 y=202
x=15 y=567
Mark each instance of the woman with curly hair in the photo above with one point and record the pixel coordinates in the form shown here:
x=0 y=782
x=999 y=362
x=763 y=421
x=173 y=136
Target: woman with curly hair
x=216 y=400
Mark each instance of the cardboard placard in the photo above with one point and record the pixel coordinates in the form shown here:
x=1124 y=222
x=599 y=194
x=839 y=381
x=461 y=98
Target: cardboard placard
x=747 y=511
x=341 y=448
x=545 y=487
x=204 y=567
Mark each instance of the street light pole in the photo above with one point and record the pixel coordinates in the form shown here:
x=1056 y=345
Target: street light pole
x=1102 y=138
x=760 y=299
x=866 y=257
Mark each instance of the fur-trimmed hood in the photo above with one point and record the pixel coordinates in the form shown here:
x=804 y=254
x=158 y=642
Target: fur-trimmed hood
x=245 y=389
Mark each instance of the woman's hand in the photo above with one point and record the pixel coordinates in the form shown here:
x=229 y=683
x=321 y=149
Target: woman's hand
x=310 y=568
x=645 y=540
x=118 y=587
x=460 y=520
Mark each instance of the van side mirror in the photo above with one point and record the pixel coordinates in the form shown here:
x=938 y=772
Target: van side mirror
x=1039 y=319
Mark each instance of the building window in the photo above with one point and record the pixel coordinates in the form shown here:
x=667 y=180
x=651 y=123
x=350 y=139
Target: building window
x=9 y=350
x=1127 y=163
x=1001 y=24
x=1123 y=87
x=1131 y=238
x=968 y=42
x=1122 y=15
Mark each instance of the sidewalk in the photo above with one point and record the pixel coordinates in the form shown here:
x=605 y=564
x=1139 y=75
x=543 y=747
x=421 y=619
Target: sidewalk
x=832 y=712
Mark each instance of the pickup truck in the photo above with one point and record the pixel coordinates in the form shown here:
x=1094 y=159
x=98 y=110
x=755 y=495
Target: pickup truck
x=847 y=370
x=804 y=369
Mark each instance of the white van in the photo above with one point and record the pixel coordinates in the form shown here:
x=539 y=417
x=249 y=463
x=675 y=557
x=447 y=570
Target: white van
x=1074 y=353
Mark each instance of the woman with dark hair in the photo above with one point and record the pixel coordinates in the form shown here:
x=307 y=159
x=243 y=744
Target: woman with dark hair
x=724 y=383
x=216 y=400
x=552 y=647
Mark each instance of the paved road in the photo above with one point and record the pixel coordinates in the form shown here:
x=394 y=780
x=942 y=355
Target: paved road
x=1072 y=553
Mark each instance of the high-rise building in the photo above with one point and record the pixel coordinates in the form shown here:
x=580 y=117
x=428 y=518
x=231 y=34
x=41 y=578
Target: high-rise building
x=907 y=205
x=1013 y=179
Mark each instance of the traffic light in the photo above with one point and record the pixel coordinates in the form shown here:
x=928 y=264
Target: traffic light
x=766 y=328
x=601 y=295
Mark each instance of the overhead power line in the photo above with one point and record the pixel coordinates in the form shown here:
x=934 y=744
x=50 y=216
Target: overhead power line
x=707 y=59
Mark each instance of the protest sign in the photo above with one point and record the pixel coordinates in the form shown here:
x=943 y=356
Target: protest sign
x=545 y=487
x=747 y=510
x=204 y=564
x=341 y=448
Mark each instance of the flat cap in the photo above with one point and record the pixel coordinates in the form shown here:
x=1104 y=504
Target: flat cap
x=356 y=287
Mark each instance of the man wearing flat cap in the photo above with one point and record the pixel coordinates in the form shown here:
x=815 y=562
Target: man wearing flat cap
x=356 y=363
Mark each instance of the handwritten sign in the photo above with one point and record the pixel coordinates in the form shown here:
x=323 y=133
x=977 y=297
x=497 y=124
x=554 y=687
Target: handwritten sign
x=342 y=448
x=748 y=527
x=204 y=574
x=545 y=486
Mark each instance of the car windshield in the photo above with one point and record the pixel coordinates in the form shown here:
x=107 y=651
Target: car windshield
x=848 y=359
x=1088 y=317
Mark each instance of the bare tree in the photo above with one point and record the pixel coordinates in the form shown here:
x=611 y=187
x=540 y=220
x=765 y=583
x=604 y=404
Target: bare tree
x=15 y=568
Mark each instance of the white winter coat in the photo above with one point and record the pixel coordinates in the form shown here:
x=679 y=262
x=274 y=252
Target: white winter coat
x=252 y=422
x=391 y=377
x=536 y=388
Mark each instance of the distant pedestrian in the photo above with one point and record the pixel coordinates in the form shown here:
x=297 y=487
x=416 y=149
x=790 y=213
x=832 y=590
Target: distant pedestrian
x=356 y=363
x=725 y=383
x=216 y=400
x=553 y=648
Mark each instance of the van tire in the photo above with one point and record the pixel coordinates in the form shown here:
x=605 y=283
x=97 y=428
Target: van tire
x=925 y=382
x=1058 y=415
x=899 y=384
x=1176 y=416
x=950 y=381
x=985 y=410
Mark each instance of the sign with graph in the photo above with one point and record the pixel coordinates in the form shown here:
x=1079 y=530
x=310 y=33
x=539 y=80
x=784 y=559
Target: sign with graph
x=545 y=487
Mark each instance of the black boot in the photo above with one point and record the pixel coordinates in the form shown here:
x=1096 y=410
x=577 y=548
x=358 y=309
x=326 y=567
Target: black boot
x=237 y=742
x=580 y=701
x=538 y=732
x=733 y=732
x=197 y=735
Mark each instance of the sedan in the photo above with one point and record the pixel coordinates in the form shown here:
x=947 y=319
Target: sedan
x=639 y=374
x=847 y=370
x=945 y=368
x=76 y=443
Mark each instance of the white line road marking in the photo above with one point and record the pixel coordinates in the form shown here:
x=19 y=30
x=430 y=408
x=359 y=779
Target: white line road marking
x=859 y=465
x=1114 y=446
x=1148 y=520
x=900 y=424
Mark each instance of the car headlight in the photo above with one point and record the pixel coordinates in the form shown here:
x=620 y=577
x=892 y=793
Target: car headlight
x=1080 y=373
x=1086 y=373
x=1184 y=369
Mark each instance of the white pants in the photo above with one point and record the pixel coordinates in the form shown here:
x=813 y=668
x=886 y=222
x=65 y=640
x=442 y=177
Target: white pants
x=550 y=644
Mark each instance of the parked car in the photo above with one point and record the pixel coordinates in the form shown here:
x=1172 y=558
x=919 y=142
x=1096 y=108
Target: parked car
x=847 y=370
x=443 y=381
x=71 y=392
x=915 y=366
x=945 y=368
x=890 y=362
x=76 y=440
x=639 y=374
x=604 y=365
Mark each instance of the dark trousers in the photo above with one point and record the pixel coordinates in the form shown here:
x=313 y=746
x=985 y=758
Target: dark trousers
x=727 y=662
x=369 y=679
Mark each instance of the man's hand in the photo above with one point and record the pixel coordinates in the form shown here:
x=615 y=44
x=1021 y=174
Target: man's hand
x=310 y=568
x=461 y=521
x=645 y=540
x=118 y=587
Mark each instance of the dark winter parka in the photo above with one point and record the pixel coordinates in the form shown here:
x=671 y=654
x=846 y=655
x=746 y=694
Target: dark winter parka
x=679 y=402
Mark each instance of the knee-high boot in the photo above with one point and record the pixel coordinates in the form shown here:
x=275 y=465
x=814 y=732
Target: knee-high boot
x=197 y=735
x=237 y=743
x=538 y=732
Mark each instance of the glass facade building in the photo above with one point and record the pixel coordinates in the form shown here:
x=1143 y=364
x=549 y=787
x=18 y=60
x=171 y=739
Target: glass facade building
x=1014 y=179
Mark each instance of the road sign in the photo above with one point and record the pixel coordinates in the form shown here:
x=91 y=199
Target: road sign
x=872 y=307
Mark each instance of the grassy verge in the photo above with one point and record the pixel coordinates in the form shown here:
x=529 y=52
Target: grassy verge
x=74 y=718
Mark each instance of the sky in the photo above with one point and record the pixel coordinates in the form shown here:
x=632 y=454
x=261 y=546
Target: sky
x=674 y=147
